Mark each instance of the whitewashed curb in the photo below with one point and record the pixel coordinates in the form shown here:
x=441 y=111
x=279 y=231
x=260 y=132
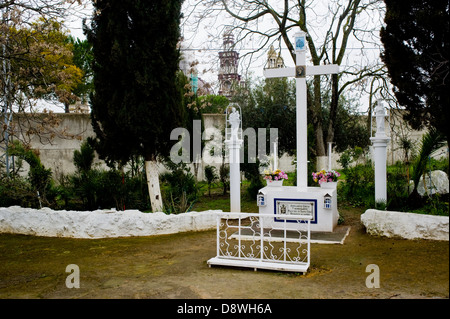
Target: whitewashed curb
x=100 y=223
x=405 y=225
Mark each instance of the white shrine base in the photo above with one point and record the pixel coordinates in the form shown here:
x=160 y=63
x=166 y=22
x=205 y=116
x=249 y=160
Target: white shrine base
x=297 y=201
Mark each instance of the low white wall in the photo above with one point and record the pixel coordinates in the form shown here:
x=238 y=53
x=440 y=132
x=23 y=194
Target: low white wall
x=405 y=225
x=100 y=223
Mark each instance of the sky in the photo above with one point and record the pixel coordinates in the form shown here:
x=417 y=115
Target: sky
x=203 y=40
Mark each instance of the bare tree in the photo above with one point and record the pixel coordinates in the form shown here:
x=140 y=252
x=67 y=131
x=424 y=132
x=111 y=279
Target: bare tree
x=30 y=48
x=332 y=26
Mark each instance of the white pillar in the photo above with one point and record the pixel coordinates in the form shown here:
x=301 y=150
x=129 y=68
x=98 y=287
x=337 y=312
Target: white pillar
x=275 y=156
x=234 y=146
x=379 y=148
x=379 y=143
x=329 y=155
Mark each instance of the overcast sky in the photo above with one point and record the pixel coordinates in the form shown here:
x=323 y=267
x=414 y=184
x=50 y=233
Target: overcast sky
x=204 y=41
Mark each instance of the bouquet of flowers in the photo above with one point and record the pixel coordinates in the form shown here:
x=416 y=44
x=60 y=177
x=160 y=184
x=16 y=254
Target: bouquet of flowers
x=275 y=175
x=325 y=176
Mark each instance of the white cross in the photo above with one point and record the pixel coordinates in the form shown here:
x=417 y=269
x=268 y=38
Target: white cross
x=300 y=72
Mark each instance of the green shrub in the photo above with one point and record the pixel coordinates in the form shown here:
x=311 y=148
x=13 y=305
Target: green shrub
x=345 y=159
x=84 y=186
x=397 y=187
x=90 y=188
x=84 y=158
x=439 y=164
x=435 y=205
x=39 y=177
x=211 y=176
x=224 y=176
x=178 y=188
x=17 y=191
x=104 y=189
x=358 y=187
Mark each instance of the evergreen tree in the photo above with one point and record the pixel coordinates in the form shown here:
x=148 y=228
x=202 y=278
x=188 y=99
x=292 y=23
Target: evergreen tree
x=82 y=58
x=135 y=104
x=416 y=42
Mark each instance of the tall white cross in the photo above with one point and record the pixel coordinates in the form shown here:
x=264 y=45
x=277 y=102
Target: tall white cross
x=300 y=72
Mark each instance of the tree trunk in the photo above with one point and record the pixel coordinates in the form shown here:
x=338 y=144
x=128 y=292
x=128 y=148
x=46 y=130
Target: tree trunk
x=318 y=124
x=321 y=163
x=333 y=108
x=151 y=170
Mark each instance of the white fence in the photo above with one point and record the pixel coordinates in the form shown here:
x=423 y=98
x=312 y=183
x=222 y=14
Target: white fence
x=251 y=240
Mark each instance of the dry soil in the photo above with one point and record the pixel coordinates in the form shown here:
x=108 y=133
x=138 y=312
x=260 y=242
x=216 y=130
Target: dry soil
x=174 y=266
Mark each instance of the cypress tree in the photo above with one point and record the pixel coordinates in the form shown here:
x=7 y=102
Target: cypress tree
x=135 y=104
x=416 y=42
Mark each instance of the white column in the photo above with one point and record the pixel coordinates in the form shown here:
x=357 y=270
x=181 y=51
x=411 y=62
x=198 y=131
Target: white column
x=379 y=143
x=379 y=147
x=275 y=155
x=234 y=146
x=329 y=155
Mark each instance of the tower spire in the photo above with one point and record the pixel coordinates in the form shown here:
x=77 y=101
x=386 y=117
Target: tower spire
x=229 y=78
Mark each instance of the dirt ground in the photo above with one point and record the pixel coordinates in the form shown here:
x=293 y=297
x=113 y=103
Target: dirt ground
x=174 y=266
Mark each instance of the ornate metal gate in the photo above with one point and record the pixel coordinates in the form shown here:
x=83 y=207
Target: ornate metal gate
x=251 y=240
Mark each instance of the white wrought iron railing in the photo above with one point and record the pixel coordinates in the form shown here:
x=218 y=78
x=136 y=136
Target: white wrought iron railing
x=257 y=241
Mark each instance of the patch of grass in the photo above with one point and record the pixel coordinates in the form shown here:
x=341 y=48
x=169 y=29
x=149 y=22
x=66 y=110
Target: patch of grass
x=215 y=202
x=218 y=201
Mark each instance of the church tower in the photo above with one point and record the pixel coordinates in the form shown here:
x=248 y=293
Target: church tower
x=229 y=78
x=274 y=60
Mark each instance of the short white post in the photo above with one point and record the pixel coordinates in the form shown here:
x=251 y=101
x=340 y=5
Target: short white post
x=379 y=143
x=329 y=155
x=275 y=156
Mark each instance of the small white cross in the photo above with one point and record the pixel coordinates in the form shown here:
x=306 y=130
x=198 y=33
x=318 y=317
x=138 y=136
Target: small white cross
x=300 y=72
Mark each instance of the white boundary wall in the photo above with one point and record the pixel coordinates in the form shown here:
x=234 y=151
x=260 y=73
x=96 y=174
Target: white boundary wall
x=111 y=223
x=405 y=225
x=100 y=223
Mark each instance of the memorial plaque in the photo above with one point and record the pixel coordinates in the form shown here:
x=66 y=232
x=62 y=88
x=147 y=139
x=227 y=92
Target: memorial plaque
x=296 y=207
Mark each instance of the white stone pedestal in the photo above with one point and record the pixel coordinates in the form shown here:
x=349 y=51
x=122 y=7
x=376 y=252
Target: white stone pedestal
x=380 y=142
x=234 y=146
x=379 y=149
x=290 y=200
